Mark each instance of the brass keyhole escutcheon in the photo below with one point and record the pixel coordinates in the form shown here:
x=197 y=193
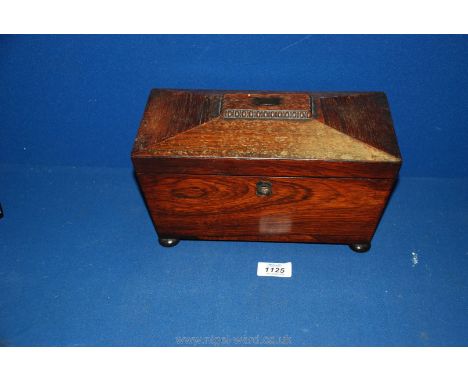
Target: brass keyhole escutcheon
x=264 y=188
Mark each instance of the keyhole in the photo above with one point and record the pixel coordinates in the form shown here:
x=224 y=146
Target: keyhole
x=263 y=188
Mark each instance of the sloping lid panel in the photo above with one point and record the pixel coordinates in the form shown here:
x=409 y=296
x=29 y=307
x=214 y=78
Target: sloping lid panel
x=281 y=134
x=309 y=139
x=365 y=117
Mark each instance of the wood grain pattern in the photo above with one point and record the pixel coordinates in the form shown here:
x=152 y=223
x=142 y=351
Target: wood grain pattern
x=265 y=167
x=300 y=209
x=331 y=174
x=309 y=139
x=362 y=116
x=180 y=127
x=169 y=113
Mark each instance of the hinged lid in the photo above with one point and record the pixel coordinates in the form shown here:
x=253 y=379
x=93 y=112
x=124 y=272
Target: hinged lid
x=267 y=133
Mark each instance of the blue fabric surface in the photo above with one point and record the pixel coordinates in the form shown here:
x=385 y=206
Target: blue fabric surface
x=81 y=266
x=79 y=259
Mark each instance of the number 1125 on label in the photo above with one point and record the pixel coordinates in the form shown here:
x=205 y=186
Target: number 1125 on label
x=274 y=269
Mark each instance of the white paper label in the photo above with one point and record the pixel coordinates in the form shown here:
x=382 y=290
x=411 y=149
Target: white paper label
x=274 y=269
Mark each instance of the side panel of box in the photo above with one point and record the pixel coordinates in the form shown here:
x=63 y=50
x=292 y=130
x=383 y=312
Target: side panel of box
x=211 y=207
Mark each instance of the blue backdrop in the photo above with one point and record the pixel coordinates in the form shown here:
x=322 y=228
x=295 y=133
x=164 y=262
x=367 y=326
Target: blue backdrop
x=79 y=259
x=78 y=100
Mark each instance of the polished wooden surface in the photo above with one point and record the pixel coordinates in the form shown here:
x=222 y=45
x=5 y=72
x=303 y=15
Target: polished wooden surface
x=346 y=130
x=363 y=117
x=331 y=171
x=271 y=139
x=300 y=209
x=265 y=167
x=169 y=113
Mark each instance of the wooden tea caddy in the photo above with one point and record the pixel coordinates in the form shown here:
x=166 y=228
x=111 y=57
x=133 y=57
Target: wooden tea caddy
x=266 y=166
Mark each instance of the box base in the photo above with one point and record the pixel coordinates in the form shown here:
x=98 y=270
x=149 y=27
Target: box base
x=356 y=247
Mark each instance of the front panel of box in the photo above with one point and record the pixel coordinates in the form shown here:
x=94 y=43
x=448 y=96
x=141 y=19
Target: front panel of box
x=292 y=209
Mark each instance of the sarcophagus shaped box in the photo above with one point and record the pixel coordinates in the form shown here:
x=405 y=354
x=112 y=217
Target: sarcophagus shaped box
x=266 y=166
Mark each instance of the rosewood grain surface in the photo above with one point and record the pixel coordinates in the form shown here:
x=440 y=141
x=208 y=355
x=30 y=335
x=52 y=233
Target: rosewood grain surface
x=332 y=171
x=265 y=167
x=300 y=209
x=169 y=113
x=362 y=116
x=185 y=122
x=284 y=139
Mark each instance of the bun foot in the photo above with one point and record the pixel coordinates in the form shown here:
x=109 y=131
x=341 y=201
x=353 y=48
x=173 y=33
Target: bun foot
x=168 y=242
x=360 y=247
